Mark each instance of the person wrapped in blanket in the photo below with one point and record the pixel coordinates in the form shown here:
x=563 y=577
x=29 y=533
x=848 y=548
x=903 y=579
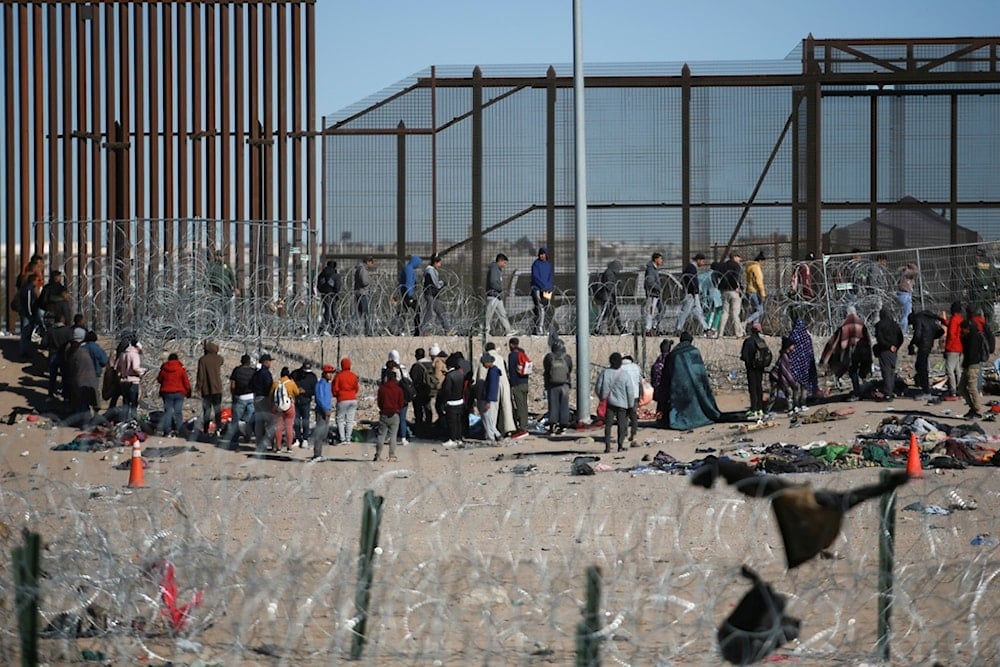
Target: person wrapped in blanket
x=689 y=399
x=849 y=350
x=783 y=378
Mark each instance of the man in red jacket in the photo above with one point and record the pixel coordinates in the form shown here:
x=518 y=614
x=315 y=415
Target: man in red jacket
x=390 y=402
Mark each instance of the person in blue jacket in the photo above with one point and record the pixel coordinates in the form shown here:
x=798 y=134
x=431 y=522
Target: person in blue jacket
x=489 y=397
x=542 y=284
x=408 y=294
x=324 y=407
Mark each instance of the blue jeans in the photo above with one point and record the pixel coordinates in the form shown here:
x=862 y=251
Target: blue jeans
x=27 y=326
x=130 y=398
x=404 y=428
x=242 y=411
x=756 y=308
x=173 y=409
x=690 y=306
x=905 y=300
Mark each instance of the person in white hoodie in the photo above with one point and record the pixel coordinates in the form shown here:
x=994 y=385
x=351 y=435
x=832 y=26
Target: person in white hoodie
x=130 y=371
x=615 y=385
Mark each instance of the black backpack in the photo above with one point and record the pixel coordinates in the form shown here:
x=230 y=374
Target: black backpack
x=762 y=356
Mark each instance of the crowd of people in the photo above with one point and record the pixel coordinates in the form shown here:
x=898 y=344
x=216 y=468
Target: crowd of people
x=454 y=399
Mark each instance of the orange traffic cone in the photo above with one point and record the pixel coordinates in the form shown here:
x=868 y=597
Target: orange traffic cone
x=136 y=477
x=913 y=466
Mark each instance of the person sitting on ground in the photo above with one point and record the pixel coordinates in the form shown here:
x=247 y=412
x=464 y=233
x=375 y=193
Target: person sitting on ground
x=783 y=378
x=692 y=402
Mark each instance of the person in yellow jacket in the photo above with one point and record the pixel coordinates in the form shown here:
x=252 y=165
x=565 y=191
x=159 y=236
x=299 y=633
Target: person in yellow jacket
x=756 y=292
x=284 y=415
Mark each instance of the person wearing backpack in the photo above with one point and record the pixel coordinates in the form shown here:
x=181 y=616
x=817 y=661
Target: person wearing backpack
x=557 y=374
x=329 y=284
x=520 y=368
x=420 y=370
x=305 y=380
x=284 y=392
x=756 y=357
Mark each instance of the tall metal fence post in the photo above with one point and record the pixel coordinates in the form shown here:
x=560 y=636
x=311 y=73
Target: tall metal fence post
x=27 y=570
x=371 y=518
x=587 y=639
x=886 y=561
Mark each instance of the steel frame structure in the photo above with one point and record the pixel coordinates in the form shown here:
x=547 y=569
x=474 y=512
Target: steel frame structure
x=872 y=68
x=174 y=110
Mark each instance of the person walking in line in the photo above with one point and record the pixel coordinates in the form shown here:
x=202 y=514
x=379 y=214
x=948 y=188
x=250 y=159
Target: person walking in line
x=888 y=340
x=284 y=415
x=407 y=295
x=241 y=391
x=691 y=305
x=175 y=386
x=329 y=285
x=730 y=285
x=653 y=285
x=635 y=377
x=494 y=295
x=756 y=292
x=614 y=386
x=345 y=391
x=542 y=285
x=520 y=368
x=755 y=361
x=953 y=349
x=305 y=380
x=208 y=383
x=324 y=407
x=609 y=318
x=362 y=293
x=433 y=284
x=907 y=276
x=390 y=402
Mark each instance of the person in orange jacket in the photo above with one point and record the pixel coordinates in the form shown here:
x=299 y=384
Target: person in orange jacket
x=345 y=390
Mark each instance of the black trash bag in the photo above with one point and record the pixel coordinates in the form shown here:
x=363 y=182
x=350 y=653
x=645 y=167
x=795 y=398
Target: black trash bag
x=757 y=626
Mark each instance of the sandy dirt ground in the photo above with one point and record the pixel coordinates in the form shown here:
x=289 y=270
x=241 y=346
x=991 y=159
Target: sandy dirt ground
x=482 y=550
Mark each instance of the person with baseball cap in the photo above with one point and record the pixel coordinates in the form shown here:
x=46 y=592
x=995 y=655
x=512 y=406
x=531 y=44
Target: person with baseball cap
x=324 y=408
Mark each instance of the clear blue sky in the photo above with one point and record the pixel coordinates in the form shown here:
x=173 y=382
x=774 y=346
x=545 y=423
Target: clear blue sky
x=367 y=45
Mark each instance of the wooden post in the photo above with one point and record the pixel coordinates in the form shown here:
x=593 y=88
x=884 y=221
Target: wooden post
x=371 y=518
x=587 y=641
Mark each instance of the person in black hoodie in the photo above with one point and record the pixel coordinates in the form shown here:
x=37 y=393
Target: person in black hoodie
x=606 y=295
x=927 y=327
x=452 y=394
x=888 y=340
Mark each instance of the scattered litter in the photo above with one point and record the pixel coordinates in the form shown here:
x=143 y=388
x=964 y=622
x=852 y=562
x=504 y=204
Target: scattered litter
x=959 y=503
x=525 y=469
x=25 y=453
x=983 y=540
x=927 y=509
x=581 y=465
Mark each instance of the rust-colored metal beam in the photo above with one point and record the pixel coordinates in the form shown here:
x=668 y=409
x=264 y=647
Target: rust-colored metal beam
x=310 y=76
x=37 y=211
x=56 y=247
x=24 y=131
x=211 y=124
x=9 y=139
x=197 y=144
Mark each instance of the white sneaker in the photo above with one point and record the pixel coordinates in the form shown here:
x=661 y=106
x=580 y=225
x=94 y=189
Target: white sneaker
x=804 y=408
x=450 y=444
x=404 y=442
